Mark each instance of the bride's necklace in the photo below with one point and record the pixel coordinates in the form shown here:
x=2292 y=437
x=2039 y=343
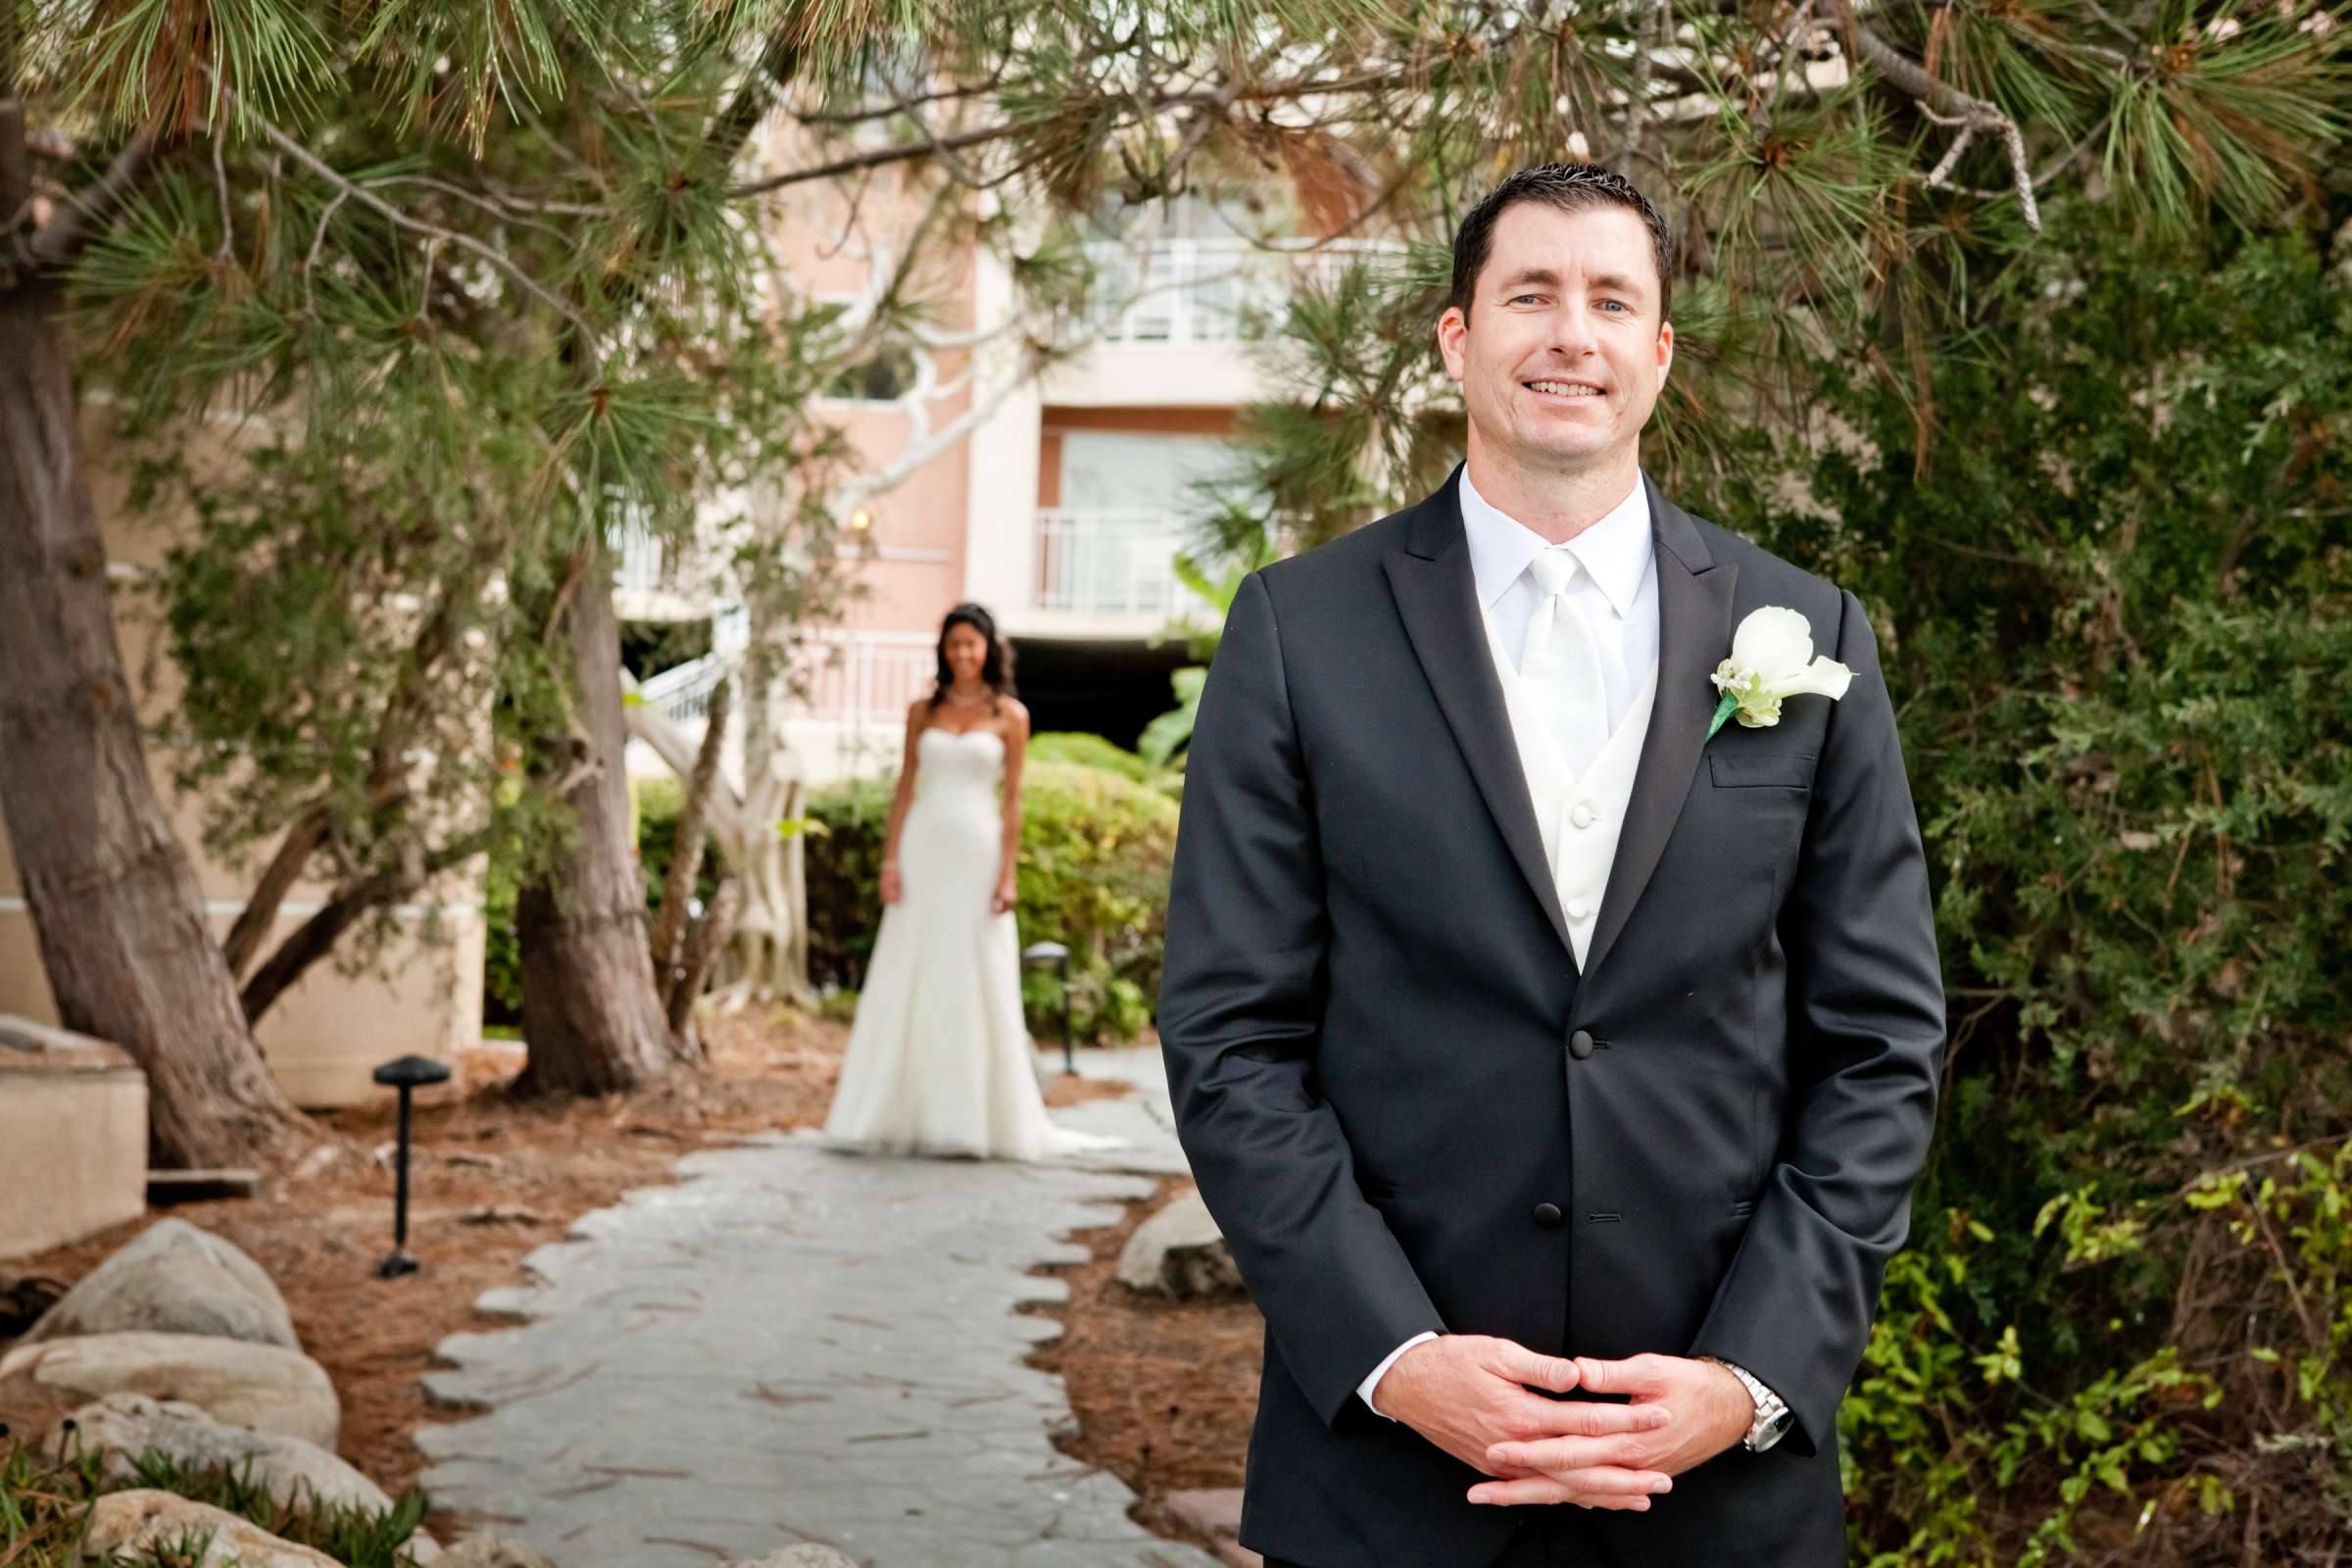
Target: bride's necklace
x=968 y=701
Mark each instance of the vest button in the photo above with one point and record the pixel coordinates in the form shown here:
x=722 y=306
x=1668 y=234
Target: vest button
x=1581 y=815
x=1548 y=1216
x=1578 y=908
x=1579 y=1044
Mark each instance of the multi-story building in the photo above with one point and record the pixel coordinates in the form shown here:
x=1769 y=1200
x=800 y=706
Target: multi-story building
x=1062 y=511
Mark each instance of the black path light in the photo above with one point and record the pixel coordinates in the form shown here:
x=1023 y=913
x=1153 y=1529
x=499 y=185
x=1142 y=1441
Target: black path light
x=407 y=1074
x=1039 y=954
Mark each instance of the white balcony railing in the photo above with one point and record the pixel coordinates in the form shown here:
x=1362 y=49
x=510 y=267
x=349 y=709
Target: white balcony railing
x=1202 y=290
x=854 y=677
x=683 y=691
x=868 y=674
x=1109 y=560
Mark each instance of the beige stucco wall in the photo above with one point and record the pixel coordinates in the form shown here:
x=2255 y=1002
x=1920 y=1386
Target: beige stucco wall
x=73 y=1138
x=322 y=1037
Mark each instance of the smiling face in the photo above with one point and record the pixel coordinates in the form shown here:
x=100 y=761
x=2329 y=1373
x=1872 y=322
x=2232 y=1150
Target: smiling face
x=966 y=652
x=1564 y=347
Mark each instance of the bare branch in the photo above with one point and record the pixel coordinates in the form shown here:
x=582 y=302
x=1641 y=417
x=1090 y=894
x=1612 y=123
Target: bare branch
x=497 y=258
x=1944 y=104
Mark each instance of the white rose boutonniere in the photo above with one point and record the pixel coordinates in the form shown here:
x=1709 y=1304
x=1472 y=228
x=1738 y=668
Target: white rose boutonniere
x=1771 y=658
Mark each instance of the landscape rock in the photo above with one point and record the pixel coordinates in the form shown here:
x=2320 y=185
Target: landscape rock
x=173 y=1279
x=242 y=1385
x=808 y=1555
x=122 y=1426
x=493 y=1552
x=1179 y=1251
x=126 y=1524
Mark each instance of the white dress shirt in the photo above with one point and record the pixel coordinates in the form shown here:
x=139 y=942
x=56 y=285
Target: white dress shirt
x=1617 y=591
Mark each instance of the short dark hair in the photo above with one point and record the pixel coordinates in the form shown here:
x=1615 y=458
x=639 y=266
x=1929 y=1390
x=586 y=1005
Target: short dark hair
x=1570 y=187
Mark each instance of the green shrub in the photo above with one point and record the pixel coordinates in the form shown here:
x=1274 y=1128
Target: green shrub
x=659 y=801
x=1094 y=875
x=2113 y=595
x=44 y=1511
x=654 y=807
x=1093 y=751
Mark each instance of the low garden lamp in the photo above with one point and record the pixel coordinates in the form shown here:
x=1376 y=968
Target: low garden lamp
x=1038 y=955
x=406 y=1074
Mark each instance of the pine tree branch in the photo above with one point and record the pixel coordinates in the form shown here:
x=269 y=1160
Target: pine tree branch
x=353 y=191
x=1945 y=104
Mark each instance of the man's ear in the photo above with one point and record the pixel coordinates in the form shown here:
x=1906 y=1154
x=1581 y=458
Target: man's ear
x=1452 y=328
x=1665 y=352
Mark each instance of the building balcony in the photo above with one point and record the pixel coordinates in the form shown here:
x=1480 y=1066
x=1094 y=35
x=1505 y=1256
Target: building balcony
x=1181 y=338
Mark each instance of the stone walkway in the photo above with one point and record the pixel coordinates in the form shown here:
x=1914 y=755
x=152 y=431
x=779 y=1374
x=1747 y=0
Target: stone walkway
x=792 y=1346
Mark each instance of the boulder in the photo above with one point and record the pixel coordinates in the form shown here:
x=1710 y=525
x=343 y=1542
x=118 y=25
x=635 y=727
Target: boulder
x=1179 y=1251
x=493 y=1552
x=240 y=1385
x=808 y=1555
x=127 y=1524
x=122 y=1426
x=173 y=1279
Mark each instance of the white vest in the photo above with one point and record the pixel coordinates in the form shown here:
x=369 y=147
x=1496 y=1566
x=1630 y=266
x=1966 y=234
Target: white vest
x=1580 y=818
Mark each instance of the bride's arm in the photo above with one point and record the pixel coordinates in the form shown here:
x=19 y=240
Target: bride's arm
x=1016 y=750
x=918 y=714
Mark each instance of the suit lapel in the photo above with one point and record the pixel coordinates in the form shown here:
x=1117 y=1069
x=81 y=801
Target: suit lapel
x=1694 y=633
x=1438 y=601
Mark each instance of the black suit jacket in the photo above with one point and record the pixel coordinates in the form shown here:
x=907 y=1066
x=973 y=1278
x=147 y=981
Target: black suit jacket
x=1385 y=1062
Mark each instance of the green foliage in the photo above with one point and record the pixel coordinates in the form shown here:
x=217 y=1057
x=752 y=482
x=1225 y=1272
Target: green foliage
x=2113 y=595
x=1096 y=847
x=659 y=800
x=1093 y=751
x=45 y=1505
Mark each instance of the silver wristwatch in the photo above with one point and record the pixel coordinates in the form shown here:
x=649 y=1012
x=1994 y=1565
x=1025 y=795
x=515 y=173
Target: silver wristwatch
x=1773 y=1419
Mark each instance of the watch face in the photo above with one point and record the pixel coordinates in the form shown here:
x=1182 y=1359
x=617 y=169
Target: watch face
x=1775 y=1430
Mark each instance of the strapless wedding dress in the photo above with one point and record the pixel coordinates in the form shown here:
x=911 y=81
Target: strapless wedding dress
x=940 y=1059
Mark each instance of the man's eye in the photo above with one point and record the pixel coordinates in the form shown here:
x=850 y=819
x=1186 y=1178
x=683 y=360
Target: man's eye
x=1612 y=305
x=1521 y=298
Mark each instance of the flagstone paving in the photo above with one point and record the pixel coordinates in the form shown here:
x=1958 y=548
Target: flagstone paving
x=795 y=1346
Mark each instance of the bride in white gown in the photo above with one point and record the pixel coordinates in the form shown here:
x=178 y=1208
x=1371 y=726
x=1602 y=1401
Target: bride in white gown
x=940 y=1059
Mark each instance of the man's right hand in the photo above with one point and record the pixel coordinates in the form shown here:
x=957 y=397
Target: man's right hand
x=1468 y=1392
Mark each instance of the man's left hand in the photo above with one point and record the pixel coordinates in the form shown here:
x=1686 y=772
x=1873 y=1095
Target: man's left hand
x=1707 y=1410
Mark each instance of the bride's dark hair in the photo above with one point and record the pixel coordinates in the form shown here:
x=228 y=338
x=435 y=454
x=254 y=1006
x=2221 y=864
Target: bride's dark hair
x=996 y=666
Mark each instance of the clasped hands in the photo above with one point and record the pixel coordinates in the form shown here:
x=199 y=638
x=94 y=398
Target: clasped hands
x=1472 y=1396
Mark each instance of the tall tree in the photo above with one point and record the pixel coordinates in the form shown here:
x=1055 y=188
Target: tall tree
x=114 y=898
x=495 y=276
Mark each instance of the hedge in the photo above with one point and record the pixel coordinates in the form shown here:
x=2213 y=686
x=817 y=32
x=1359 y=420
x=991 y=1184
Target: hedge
x=1093 y=876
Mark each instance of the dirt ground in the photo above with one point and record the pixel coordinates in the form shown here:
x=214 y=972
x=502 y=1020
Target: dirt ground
x=1164 y=1391
x=490 y=1179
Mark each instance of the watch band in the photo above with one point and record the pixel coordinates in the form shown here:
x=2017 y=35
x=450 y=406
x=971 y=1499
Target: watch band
x=1773 y=1415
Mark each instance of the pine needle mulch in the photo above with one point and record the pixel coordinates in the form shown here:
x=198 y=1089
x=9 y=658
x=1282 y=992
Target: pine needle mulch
x=1163 y=1392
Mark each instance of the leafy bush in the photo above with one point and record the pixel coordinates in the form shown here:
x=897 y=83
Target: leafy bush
x=658 y=801
x=2114 y=591
x=1093 y=751
x=45 y=1505
x=1094 y=875
x=655 y=805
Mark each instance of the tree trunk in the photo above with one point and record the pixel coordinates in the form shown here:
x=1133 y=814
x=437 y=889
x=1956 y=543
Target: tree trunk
x=115 y=901
x=591 y=1020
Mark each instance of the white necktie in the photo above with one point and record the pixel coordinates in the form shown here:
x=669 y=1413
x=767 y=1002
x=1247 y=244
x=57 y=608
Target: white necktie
x=1560 y=663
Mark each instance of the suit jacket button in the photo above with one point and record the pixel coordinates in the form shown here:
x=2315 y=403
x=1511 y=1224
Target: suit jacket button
x=1579 y=1044
x=1548 y=1216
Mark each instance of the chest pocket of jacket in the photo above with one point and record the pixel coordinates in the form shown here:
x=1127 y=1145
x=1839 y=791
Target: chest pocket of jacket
x=1733 y=770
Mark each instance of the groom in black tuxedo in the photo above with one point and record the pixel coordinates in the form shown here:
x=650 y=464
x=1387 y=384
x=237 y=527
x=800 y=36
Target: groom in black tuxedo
x=1558 y=1073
